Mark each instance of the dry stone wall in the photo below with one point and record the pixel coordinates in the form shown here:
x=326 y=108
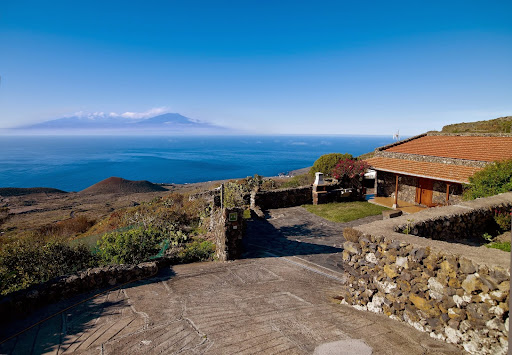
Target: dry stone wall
x=282 y=198
x=456 y=293
x=465 y=221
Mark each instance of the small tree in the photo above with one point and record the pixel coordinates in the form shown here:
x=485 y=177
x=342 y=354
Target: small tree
x=494 y=179
x=326 y=163
x=350 y=171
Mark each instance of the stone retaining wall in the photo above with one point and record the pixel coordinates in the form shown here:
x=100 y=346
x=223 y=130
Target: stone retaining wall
x=282 y=198
x=464 y=221
x=455 y=292
x=25 y=301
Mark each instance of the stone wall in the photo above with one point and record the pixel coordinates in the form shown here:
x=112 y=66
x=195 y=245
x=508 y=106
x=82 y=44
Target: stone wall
x=282 y=198
x=465 y=221
x=228 y=233
x=407 y=188
x=456 y=293
x=22 y=302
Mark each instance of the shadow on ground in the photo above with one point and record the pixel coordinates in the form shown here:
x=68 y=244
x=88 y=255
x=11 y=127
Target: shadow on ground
x=60 y=326
x=264 y=237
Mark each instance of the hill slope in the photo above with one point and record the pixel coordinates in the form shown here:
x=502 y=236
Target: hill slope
x=497 y=125
x=114 y=185
x=21 y=191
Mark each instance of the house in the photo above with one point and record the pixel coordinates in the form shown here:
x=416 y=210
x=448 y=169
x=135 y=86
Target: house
x=431 y=169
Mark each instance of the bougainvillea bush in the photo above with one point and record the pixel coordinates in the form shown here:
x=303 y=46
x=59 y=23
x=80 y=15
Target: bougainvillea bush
x=350 y=171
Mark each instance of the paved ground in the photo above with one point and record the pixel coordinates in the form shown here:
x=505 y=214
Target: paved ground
x=262 y=304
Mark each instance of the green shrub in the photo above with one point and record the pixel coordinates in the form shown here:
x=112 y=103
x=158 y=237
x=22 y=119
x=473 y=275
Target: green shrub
x=24 y=263
x=172 y=211
x=494 y=179
x=503 y=220
x=130 y=247
x=197 y=250
x=327 y=162
x=234 y=194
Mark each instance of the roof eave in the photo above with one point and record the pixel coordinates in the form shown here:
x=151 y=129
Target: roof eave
x=422 y=176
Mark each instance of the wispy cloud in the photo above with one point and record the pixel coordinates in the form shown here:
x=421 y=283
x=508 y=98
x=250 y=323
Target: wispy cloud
x=128 y=114
x=147 y=114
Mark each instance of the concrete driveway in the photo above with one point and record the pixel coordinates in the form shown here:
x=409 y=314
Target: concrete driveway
x=264 y=304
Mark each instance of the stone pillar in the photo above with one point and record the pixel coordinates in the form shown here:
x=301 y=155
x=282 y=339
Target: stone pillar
x=229 y=231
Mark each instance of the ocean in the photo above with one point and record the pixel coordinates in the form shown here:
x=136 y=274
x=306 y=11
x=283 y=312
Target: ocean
x=75 y=163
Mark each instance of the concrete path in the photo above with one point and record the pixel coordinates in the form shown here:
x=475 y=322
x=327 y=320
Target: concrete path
x=259 y=305
x=296 y=232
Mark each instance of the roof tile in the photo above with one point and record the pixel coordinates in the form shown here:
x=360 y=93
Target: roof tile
x=479 y=148
x=436 y=171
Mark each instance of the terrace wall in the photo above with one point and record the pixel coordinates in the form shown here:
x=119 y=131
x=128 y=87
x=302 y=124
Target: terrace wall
x=457 y=293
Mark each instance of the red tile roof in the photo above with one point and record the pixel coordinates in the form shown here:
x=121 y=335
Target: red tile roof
x=459 y=147
x=436 y=171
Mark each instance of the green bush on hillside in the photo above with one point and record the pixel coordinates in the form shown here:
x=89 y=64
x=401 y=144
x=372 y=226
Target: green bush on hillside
x=494 y=179
x=197 y=250
x=130 y=247
x=26 y=262
x=327 y=162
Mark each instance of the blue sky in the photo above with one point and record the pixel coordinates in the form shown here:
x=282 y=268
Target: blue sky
x=315 y=67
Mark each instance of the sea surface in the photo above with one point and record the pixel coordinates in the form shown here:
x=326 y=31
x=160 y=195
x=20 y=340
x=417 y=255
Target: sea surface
x=75 y=163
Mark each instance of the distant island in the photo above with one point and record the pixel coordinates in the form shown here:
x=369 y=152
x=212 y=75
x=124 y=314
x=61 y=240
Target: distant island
x=92 y=124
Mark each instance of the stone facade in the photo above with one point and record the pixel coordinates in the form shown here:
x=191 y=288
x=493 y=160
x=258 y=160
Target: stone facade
x=407 y=188
x=456 y=293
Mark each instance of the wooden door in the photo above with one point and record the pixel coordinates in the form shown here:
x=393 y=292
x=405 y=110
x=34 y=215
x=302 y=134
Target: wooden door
x=424 y=191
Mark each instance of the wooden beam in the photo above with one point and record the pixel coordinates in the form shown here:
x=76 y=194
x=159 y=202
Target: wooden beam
x=395 y=204
x=447 y=194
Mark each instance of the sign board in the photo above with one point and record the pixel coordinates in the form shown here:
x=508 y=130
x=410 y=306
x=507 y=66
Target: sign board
x=233 y=216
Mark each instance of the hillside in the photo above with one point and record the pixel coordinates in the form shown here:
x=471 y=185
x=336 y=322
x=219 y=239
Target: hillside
x=114 y=185
x=21 y=191
x=497 y=125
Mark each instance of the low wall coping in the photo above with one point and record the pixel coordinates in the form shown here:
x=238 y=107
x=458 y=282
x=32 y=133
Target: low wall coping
x=479 y=255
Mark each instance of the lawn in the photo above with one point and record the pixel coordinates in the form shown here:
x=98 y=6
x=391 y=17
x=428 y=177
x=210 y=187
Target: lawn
x=345 y=211
x=505 y=246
